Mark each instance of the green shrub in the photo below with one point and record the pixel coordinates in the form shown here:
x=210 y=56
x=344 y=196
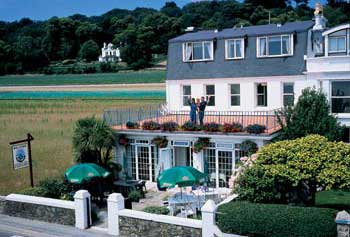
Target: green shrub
x=273 y=220
x=232 y=127
x=150 y=125
x=255 y=128
x=36 y=191
x=157 y=210
x=169 y=126
x=190 y=126
x=132 y=125
x=291 y=171
x=211 y=127
x=134 y=196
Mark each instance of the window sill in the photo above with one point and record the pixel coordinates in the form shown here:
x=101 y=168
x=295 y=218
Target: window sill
x=198 y=61
x=276 y=56
x=233 y=59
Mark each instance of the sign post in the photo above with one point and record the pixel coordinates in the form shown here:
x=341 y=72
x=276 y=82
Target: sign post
x=22 y=155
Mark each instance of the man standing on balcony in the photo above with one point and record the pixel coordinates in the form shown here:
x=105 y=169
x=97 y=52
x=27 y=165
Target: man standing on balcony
x=201 y=107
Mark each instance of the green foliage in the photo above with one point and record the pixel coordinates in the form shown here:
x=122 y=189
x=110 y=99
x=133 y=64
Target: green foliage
x=309 y=116
x=132 y=125
x=272 y=220
x=291 y=171
x=89 y=51
x=93 y=141
x=156 y=210
x=56 y=188
x=161 y=142
x=150 y=125
x=28 y=46
x=255 y=128
x=169 y=126
x=234 y=127
x=248 y=147
x=336 y=199
x=190 y=126
x=134 y=196
x=201 y=144
x=211 y=127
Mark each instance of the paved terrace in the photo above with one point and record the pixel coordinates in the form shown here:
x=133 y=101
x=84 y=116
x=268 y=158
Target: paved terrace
x=117 y=119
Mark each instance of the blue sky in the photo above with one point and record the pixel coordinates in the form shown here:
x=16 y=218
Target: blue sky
x=11 y=10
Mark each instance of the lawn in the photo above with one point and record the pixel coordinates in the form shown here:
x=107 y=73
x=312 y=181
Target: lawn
x=51 y=123
x=131 y=77
x=334 y=199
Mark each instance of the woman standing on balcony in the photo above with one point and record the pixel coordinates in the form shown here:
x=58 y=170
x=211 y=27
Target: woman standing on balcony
x=193 y=112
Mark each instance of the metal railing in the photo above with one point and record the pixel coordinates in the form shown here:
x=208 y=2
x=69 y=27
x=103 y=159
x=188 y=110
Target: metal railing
x=159 y=114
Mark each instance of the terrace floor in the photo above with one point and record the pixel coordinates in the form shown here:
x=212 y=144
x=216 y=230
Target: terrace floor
x=269 y=121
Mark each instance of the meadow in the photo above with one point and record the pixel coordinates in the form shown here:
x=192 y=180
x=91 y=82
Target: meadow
x=123 y=77
x=51 y=124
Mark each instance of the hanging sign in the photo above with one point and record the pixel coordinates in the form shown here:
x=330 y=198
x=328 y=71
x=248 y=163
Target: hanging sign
x=20 y=155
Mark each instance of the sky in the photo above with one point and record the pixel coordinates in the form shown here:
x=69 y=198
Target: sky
x=11 y=10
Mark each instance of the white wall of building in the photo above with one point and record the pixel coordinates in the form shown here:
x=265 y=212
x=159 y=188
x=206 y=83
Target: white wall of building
x=247 y=92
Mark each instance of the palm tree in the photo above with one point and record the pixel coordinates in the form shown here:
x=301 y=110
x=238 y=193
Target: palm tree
x=93 y=141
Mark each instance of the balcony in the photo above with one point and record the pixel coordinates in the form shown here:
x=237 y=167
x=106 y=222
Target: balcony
x=328 y=64
x=117 y=119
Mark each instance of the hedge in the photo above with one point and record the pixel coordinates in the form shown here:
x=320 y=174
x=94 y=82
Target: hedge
x=274 y=220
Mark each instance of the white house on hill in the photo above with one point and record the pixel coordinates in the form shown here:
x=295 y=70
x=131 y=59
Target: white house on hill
x=109 y=53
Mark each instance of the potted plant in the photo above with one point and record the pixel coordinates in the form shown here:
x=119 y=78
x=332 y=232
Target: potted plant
x=123 y=140
x=255 y=128
x=161 y=142
x=211 y=127
x=169 y=126
x=201 y=144
x=132 y=125
x=190 y=126
x=134 y=196
x=248 y=147
x=150 y=125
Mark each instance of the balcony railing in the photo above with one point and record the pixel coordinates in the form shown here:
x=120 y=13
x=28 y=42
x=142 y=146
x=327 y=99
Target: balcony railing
x=119 y=117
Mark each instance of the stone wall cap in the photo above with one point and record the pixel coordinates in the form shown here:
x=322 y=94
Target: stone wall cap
x=81 y=194
x=115 y=197
x=173 y=220
x=342 y=218
x=40 y=201
x=209 y=206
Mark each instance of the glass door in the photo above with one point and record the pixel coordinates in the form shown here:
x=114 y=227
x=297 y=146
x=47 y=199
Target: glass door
x=225 y=164
x=143 y=164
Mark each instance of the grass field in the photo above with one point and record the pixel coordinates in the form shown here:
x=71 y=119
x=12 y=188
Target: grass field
x=84 y=79
x=51 y=123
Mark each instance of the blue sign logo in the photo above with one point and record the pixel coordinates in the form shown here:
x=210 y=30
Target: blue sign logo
x=20 y=154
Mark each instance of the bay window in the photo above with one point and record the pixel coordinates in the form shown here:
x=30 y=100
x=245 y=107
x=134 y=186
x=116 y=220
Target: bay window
x=274 y=46
x=234 y=48
x=337 y=42
x=198 y=51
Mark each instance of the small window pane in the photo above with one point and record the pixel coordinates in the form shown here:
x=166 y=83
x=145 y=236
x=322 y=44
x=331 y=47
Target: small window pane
x=341 y=44
x=262 y=49
x=275 y=45
x=340 y=105
x=238 y=48
x=210 y=89
x=261 y=95
x=231 y=49
x=197 y=51
x=235 y=100
x=341 y=88
x=285 y=44
x=187 y=90
x=207 y=49
x=235 y=89
x=288 y=88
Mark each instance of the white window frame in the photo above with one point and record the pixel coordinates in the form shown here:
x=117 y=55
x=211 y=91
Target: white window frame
x=257 y=95
x=235 y=49
x=183 y=94
x=287 y=94
x=184 y=49
x=337 y=37
x=337 y=97
x=239 y=95
x=291 y=46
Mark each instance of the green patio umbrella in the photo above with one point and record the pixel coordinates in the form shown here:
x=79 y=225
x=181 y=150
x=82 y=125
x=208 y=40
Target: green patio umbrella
x=183 y=176
x=80 y=172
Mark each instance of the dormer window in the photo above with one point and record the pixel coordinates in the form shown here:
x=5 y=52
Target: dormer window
x=275 y=46
x=337 y=41
x=234 y=48
x=198 y=51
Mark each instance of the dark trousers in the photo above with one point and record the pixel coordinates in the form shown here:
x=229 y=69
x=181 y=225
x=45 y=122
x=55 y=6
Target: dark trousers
x=193 y=117
x=201 y=117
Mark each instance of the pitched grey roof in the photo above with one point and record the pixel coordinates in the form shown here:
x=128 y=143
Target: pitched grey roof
x=269 y=29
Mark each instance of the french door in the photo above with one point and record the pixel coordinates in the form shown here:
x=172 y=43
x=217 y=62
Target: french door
x=144 y=159
x=225 y=164
x=144 y=162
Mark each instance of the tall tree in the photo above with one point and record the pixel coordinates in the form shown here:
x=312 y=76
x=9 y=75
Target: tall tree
x=89 y=51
